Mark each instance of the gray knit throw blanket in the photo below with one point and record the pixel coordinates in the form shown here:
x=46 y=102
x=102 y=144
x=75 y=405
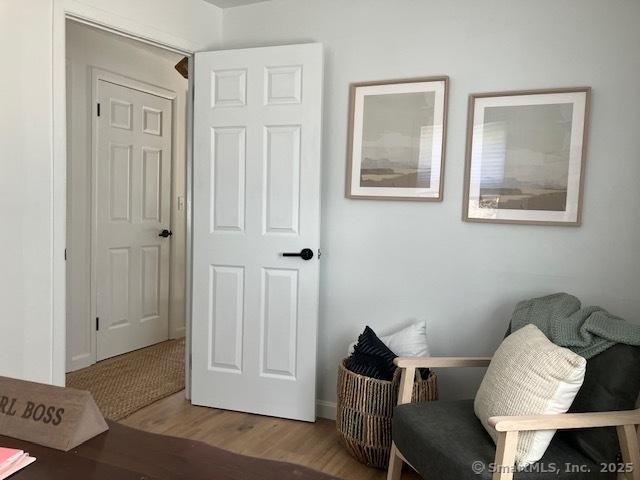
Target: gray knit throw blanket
x=587 y=331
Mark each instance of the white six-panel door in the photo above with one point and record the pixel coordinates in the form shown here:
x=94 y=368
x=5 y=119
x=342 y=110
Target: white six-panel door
x=256 y=195
x=132 y=188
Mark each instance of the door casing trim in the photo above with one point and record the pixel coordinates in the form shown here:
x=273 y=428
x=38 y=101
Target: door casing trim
x=64 y=10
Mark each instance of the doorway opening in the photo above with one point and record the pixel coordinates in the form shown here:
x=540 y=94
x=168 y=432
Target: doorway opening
x=126 y=219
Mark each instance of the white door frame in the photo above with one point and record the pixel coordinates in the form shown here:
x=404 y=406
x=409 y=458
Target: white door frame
x=98 y=18
x=97 y=75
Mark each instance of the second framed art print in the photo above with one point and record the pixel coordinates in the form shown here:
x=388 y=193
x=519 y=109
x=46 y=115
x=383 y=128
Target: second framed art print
x=397 y=132
x=525 y=156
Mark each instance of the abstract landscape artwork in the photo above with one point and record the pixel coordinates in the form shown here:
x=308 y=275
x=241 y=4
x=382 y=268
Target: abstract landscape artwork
x=525 y=156
x=397 y=133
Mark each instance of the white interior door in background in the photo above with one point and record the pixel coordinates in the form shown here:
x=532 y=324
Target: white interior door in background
x=133 y=192
x=256 y=195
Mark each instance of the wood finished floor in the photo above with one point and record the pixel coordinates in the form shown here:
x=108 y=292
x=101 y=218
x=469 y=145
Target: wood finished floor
x=314 y=445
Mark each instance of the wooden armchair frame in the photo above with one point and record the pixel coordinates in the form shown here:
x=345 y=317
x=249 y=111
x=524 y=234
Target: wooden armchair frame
x=508 y=428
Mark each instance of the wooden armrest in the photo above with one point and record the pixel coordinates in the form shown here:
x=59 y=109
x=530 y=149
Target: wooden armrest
x=565 y=421
x=441 y=362
x=410 y=364
x=509 y=429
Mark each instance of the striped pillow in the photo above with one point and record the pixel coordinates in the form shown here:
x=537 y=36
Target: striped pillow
x=371 y=357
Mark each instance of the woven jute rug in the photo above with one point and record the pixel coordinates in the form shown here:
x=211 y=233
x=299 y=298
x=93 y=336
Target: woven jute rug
x=123 y=385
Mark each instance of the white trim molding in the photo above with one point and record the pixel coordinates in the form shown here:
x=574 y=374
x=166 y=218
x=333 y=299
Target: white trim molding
x=326 y=409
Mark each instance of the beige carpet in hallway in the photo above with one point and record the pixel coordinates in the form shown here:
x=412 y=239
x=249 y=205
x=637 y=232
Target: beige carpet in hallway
x=123 y=385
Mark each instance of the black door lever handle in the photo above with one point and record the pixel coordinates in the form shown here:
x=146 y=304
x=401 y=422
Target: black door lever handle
x=305 y=254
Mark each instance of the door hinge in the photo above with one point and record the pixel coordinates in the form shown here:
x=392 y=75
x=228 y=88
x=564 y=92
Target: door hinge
x=98 y=109
x=97 y=324
x=65 y=254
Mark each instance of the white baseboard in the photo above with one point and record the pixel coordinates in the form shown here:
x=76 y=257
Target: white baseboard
x=178 y=332
x=326 y=409
x=80 y=361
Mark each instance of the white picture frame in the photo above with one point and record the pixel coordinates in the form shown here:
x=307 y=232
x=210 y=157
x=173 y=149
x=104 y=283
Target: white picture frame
x=525 y=158
x=402 y=125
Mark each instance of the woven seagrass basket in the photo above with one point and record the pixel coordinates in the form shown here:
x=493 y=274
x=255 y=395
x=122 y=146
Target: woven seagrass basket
x=365 y=407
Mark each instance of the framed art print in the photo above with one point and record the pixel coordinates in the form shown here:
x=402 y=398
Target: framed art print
x=397 y=133
x=525 y=156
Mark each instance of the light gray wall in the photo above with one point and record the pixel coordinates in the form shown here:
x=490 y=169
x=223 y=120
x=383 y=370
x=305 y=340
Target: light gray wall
x=87 y=48
x=386 y=262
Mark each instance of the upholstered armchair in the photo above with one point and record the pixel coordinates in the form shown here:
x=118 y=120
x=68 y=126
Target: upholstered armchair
x=444 y=439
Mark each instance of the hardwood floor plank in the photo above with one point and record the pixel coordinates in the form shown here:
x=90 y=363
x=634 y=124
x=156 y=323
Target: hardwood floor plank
x=314 y=445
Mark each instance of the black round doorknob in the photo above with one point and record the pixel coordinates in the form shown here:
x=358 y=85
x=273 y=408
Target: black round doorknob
x=165 y=233
x=305 y=254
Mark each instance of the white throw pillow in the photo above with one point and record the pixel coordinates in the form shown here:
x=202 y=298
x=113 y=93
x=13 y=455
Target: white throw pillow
x=410 y=341
x=529 y=375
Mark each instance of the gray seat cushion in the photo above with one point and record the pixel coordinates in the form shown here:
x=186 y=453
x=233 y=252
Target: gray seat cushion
x=443 y=439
